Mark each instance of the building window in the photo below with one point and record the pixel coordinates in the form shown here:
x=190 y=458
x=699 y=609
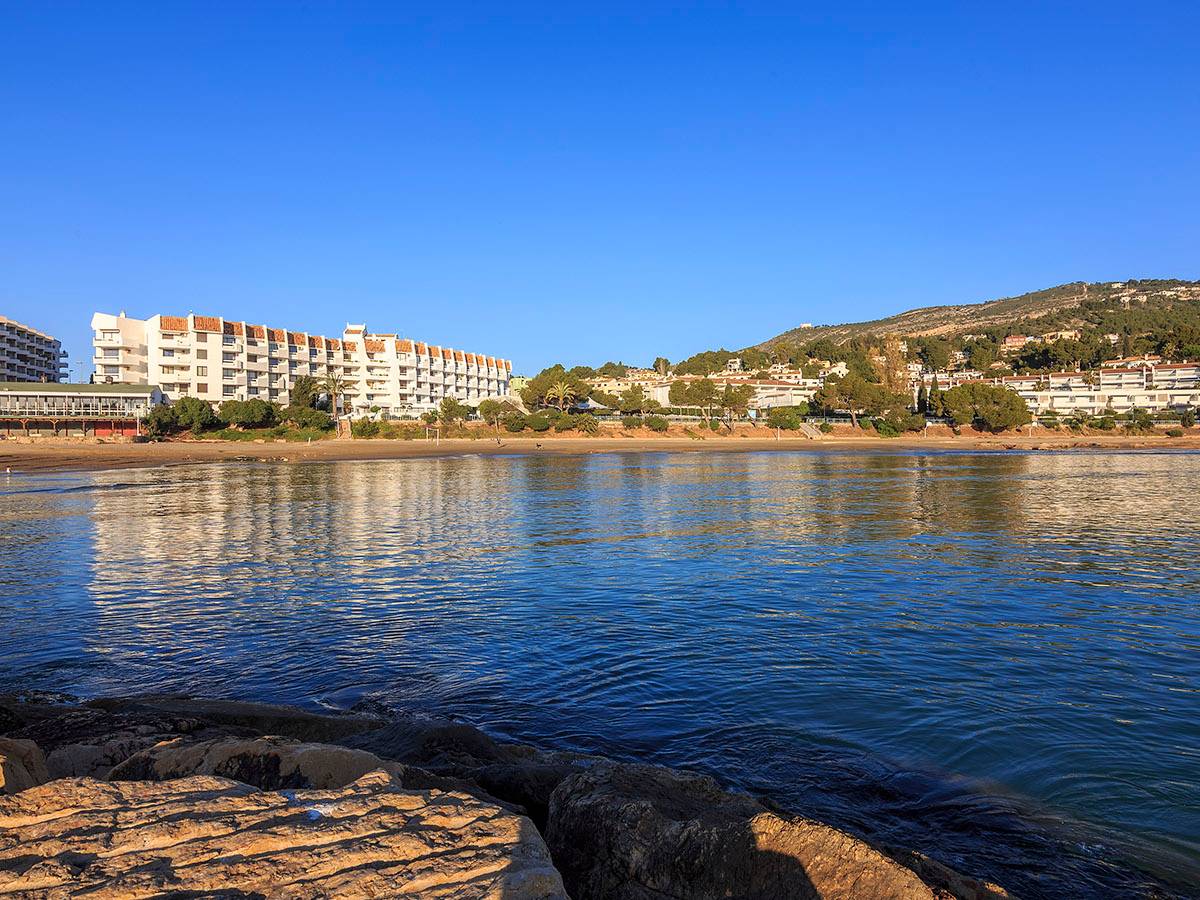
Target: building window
x=201 y=337
x=201 y=354
x=168 y=352
x=202 y=389
x=228 y=390
x=201 y=371
x=228 y=373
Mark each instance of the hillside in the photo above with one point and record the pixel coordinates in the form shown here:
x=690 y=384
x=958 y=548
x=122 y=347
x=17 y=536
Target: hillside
x=1069 y=305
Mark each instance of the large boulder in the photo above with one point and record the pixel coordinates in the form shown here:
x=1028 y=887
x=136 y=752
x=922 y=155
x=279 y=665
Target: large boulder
x=21 y=765
x=82 y=741
x=272 y=763
x=515 y=773
x=207 y=836
x=635 y=832
x=245 y=717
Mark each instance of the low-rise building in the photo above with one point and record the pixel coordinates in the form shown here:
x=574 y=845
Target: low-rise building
x=219 y=359
x=98 y=410
x=1155 y=388
x=28 y=355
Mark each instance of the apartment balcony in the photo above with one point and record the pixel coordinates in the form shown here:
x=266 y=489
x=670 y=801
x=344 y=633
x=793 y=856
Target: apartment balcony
x=111 y=341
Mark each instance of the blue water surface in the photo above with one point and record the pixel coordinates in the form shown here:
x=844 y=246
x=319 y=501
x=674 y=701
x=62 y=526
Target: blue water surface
x=994 y=658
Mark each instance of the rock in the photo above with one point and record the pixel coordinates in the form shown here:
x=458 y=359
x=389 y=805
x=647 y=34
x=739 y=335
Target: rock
x=515 y=773
x=256 y=718
x=207 y=836
x=21 y=765
x=269 y=763
x=634 y=832
x=88 y=742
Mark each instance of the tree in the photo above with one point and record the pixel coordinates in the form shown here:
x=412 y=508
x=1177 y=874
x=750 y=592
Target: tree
x=535 y=393
x=633 y=400
x=923 y=399
x=560 y=395
x=662 y=365
x=735 y=402
x=988 y=406
x=492 y=411
x=934 y=353
x=161 y=420
x=704 y=394
x=195 y=415
x=335 y=387
x=1187 y=418
x=980 y=355
x=451 y=411
x=935 y=406
x=304 y=392
x=613 y=370
x=307 y=417
x=252 y=413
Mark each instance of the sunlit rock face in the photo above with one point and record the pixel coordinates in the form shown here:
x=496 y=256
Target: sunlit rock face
x=204 y=835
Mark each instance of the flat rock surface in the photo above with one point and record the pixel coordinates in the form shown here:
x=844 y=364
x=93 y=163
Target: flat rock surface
x=209 y=836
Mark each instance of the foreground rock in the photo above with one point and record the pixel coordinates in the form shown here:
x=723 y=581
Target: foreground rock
x=629 y=832
x=212 y=836
x=21 y=765
x=614 y=831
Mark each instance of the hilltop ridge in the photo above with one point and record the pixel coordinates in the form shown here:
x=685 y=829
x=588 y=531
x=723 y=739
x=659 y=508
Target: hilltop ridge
x=1072 y=304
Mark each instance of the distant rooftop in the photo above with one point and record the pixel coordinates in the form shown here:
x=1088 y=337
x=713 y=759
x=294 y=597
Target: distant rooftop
x=58 y=387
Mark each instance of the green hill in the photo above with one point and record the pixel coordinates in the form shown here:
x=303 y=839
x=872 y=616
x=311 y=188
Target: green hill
x=1105 y=305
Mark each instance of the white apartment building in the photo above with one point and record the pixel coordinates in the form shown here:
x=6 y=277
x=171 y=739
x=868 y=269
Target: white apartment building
x=1154 y=388
x=28 y=355
x=218 y=359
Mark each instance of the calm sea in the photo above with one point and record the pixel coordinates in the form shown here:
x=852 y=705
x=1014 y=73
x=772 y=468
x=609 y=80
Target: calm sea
x=991 y=657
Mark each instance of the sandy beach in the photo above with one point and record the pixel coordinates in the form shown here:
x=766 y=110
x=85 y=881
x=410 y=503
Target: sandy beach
x=49 y=455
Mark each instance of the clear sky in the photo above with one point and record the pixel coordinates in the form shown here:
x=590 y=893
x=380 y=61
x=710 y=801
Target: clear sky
x=563 y=182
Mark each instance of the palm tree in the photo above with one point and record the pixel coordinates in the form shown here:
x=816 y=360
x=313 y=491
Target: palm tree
x=335 y=386
x=560 y=394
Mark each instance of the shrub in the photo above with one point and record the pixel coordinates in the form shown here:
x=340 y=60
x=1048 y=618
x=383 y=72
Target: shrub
x=587 y=423
x=885 y=428
x=1106 y=423
x=538 y=422
x=825 y=428
x=657 y=423
x=514 y=422
x=364 y=428
x=194 y=414
x=714 y=424
x=566 y=423
x=1174 y=432
x=786 y=418
x=161 y=420
x=307 y=417
x=1187 y=418
x=631 y=421
x=249 y=413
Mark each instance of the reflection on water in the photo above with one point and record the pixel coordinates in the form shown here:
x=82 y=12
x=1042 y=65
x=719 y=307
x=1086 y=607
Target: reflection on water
x=992 y=657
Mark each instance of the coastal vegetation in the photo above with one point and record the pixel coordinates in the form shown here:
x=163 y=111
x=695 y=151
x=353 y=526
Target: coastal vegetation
x=242 y=419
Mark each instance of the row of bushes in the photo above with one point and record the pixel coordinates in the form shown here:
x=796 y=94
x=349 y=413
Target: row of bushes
x=197 y=416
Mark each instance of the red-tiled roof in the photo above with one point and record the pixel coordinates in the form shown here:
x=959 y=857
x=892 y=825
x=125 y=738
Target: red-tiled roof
x=278 y=335
x=256 y=331
x=237 y=328
x=316 y=341
x=173 y=323
x=295 y=337
x=374 y=346
x=206 y=323
x=404 y=346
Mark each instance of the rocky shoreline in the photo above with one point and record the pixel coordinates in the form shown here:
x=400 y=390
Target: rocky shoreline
x=152 y=795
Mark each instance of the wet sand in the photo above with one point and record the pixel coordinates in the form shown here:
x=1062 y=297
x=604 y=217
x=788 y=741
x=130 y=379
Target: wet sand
x=49 y=455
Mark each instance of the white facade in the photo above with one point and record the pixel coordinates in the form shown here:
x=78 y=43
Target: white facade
x=1155 y=388
x=28 y=355
x=218 y=359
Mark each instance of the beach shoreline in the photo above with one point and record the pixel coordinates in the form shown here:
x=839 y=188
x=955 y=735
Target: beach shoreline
x=67 y=454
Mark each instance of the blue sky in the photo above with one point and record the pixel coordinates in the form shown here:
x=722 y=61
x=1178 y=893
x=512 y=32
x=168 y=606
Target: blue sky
x=571 y=182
